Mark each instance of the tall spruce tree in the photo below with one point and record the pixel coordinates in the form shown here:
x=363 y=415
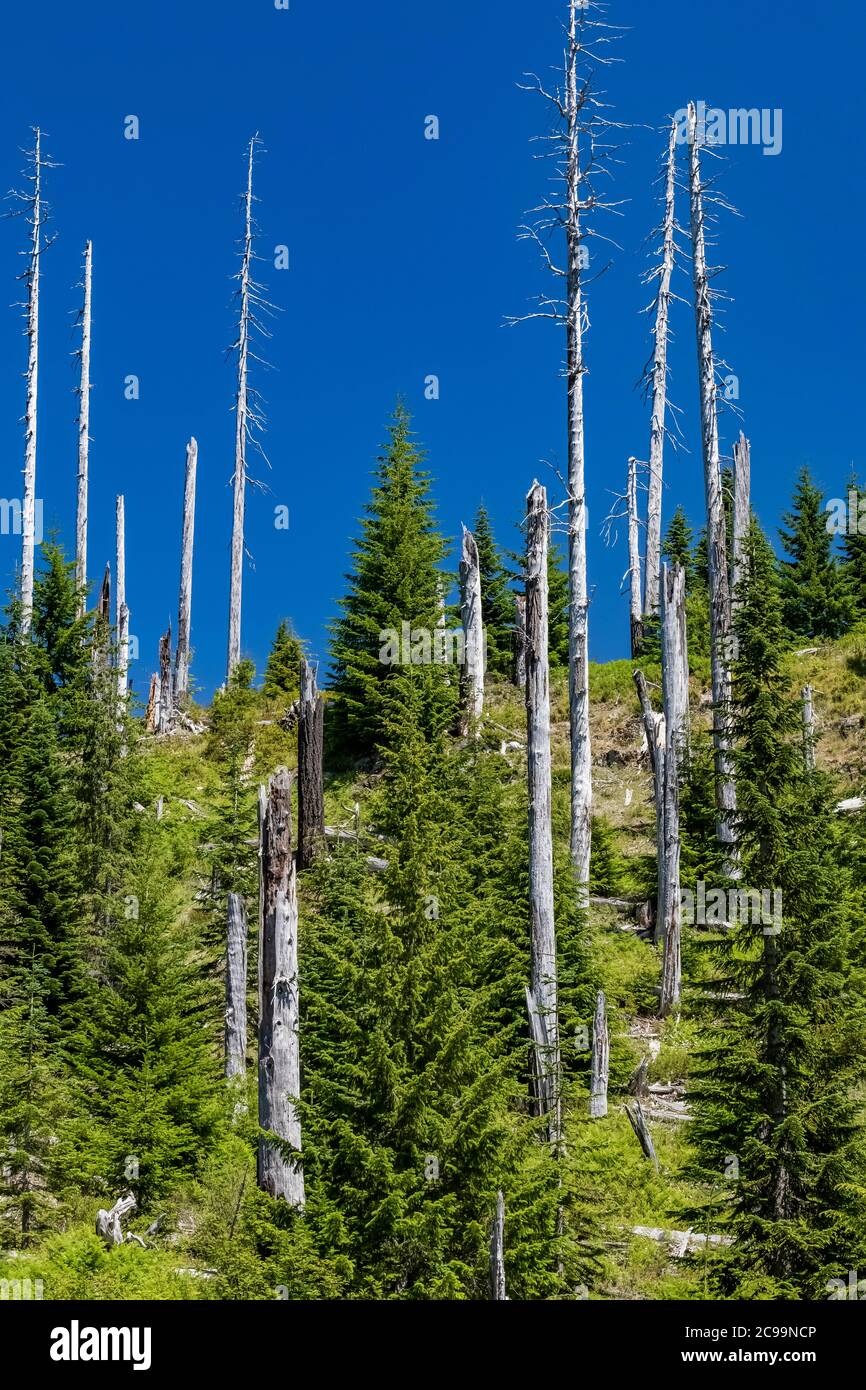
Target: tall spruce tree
x=282 y=673
x=678 y=545
x=395 y=580
x=497 y=599
x=815 y=599
x=854 y=547
x=778 y=1120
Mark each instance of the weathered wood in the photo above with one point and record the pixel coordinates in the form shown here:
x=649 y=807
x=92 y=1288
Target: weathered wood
x=28 y=500
x=472 y=676
x=120 y=600
x=600 y=1073
x=311 y=778
x=675 y=694
x=279 y=1175
x=659 y=386
x=742 y=506
x=541 y=909
x=151 y=716
x=681 y=1243
x=720 y=599
x=184 y=606
x=83 y=438
x=519 y=676
x=102 y=630
x=497 y=1252
x=242 y=424
x=103 y=607
x=638 y=1123
x=236 y=988
x=809 y=727
x=108 y=1223
x=634 y=561
x=166 y=704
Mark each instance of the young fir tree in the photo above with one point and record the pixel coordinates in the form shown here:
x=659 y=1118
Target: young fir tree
x=854 y=551
x=395 y=581
x=557 y=598
x=282 y=673
x=233 y=828
x=815 y=599
x=778 y=1124
x=61 y=637
x=497 y=599
x=678 y=545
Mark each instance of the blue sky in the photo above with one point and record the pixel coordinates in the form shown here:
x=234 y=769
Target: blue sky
x=404 y=263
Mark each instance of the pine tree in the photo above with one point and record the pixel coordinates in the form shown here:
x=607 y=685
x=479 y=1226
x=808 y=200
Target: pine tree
x=854 y=550
x=678 y=545
x=395 y=581
x=558 y=602
x=61 y=637
x=497 y=599
x=776 y=1100
x=815 y=602
x=282 y=679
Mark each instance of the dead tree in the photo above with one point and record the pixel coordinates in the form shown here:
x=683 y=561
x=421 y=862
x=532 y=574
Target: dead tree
x=637 y=1119
x=809 y=728
x=236 y=988
x=497 y=1252
x=520 y=641
x=279 y=1172
x=720 y=598
x=600 y=1060
x=742 y=505
x=311 y=780
x=675 y=694
x=634 y=562
x=83 y=438
x=249 y=419
x=108 y=1223
x=472 y=678
x=102 y=627
x=542 y=995
x=657 y=383
x=582 y=147
x=166 y=704
x=184 y=614
x=33 y=208
x=151 y=717
x=120 y=601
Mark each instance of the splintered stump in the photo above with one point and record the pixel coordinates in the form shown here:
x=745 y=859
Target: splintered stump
x=311 y=781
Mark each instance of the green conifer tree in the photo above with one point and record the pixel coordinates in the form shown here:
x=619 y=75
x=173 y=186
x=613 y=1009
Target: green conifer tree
x=815 y=599
x=497 y=599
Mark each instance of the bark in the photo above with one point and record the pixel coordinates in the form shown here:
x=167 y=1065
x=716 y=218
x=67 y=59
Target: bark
x=600 y=1060
x=108 y=1223
x=241 y=431
x=497 y=1252
x=236 y=988
x=639 y=1125
x=184 y=613
x=634 y=562
x=102 y=631
x=578 y=638
x=165 y=701
x=472 y=691
x=809 y=727
x=311 y=780
x=151 y=717
x=720 y=600
x=659 y=388
x=543 y=928
x=122 y=648
x=28 y=501
x=120 y=600
x=742 y=504
x=279 y=1055
x=520 y=641
x=83 y=439
x=675 y=692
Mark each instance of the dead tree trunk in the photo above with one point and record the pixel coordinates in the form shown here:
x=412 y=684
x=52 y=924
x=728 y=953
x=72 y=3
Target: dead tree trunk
x=242 y=426
x=600 y=1060
x=120 y=601
x=638 y=1122
x=809 y=728
x=83 y=439
x=33 y=203
x=236 y=988
x=311 y=780
x=720 y=599
x=634 y=562
x=742 y=505
x=108 y=1223
x=166 y=705
x=497 y=1252
x=520 y=641
x=472 y=683
x=184 y=614
x=659 y=387
x=102 y=631
x=279 y=1054
x=675 y=690
x=151 y=717
x=543 y=992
